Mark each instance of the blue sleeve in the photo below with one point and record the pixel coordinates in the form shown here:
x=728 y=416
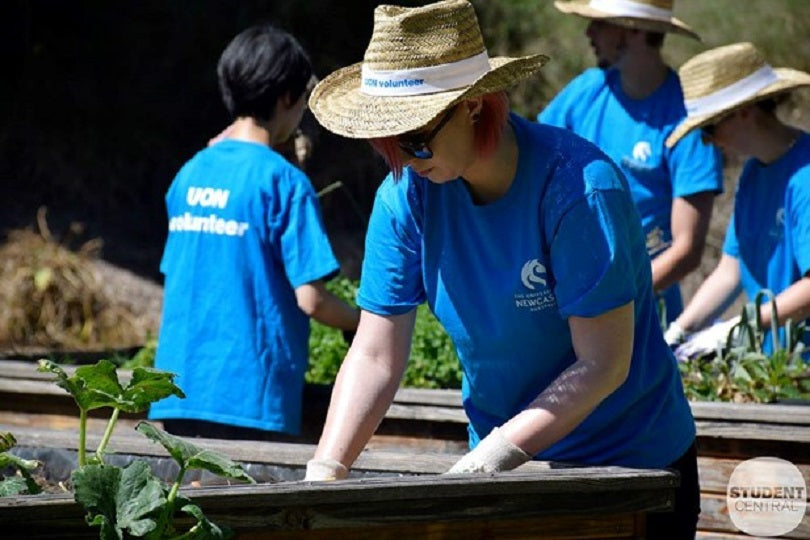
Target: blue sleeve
x=561 y=110
x=799 y=216
x=305 y=247
x=554 y=113
x=695 y=167
x=593 y=253
x=391 y=279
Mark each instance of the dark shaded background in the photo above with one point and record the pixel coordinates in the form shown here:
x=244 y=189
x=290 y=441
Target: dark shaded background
x=103 y=101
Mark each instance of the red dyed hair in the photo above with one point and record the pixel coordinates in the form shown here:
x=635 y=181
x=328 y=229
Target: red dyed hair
x=488 y=130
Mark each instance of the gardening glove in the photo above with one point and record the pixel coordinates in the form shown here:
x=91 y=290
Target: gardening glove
x=494 y=453
x=325 y=470
x=675 y=335
x=706 y=341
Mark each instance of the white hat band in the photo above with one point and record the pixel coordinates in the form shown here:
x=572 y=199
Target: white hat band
x=732 y=94
x=425 y=80
x=628 y=8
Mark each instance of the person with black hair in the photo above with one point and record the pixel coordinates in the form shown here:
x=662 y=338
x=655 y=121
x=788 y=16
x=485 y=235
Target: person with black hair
x=247 y=257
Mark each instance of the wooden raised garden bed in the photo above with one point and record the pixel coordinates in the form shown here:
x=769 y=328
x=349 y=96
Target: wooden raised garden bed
x=390 y=495
x=420 y=422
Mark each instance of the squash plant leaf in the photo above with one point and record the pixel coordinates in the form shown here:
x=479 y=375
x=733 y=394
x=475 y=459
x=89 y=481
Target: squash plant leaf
x=97 y=386
x=119 y=500
x=93 y=387
x=189 y=456
x=147 y=386
x=204 y=529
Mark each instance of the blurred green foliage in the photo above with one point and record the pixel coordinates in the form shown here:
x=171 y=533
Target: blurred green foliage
x=432 y=364
x=514 y=27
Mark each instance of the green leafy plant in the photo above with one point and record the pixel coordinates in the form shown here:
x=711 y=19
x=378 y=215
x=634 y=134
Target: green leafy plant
x=23 y=482
x=97 y=386
x=742 y=371
x=132 y=501
x=433 y=362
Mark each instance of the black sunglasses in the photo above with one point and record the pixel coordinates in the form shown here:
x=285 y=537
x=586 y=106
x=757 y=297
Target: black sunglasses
x=416 y=145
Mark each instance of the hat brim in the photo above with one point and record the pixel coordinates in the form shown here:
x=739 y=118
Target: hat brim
x=340 y=106
x=789 y=79
x=671 y=25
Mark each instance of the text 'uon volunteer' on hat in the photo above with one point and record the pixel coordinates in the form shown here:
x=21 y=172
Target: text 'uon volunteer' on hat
x=718 y=81
x=419 y=62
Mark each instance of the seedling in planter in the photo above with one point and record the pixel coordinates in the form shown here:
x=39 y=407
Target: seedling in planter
x=134 y=500
x=742 y=372
x=97 y=386
x=16 y=485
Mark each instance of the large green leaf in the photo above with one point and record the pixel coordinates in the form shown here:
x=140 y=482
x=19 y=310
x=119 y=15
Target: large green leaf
x=204 y=529
x=92 y=387
x=189 y=456
x=120 y=499
x=147 y=386
x=97 y=386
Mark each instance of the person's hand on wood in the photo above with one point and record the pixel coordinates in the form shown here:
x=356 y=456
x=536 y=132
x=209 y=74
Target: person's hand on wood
x=493 y=454
x=325 y=470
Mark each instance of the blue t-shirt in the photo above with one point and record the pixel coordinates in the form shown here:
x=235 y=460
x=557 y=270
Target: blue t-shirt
x=504 y=277
x=769 y=231
x=245 y=230
x=632 y=132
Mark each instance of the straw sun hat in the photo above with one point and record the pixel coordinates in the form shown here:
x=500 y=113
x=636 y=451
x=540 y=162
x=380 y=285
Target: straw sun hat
x=649 y=15
x=419 y=62
x=718 y=81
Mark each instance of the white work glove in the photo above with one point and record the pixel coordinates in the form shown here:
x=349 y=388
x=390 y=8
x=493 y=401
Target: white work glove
x=706 y=341
x=675 y=335
x=494 y=453
x=325 y=470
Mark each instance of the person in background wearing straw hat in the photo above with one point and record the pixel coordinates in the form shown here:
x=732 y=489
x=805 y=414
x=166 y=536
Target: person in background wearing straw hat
x=627 y=106
x=524 y=242
x=731 y=95
x=246 y=257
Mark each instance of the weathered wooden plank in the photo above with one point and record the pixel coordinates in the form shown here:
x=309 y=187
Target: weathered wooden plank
x=549 y=528
x=715 y=472
x=752 y=412
x=429 y=413
x=712 y=535
x=714 y=518
x=397 y=501
x=13 y=421
x=753 y=431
